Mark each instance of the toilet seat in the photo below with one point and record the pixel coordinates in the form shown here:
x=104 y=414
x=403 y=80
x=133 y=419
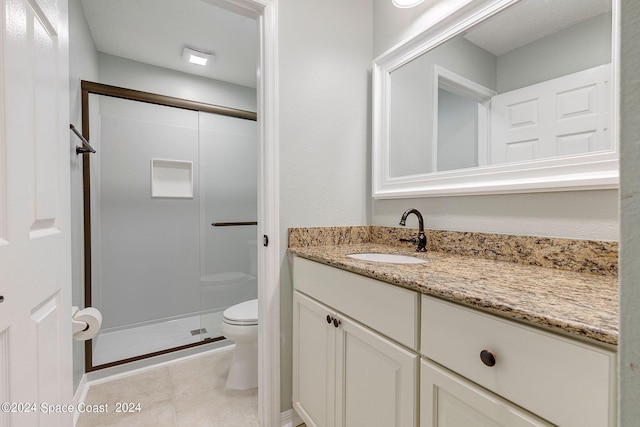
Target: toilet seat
x=243 y=314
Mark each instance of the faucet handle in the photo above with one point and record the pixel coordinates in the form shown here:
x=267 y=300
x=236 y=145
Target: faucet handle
x=414 y=240
x=421 y=242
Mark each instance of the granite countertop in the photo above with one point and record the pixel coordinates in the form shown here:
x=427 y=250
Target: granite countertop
x=576 y=303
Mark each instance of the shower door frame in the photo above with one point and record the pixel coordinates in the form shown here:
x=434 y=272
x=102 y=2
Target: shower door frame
x=92 y=88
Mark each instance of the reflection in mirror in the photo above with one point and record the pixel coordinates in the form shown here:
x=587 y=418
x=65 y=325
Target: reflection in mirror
x=532 y=82
x=462 y=112
x=456 y=67
x=562 y=59
x=457 y=143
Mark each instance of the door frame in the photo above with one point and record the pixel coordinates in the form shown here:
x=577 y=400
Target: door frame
x=269 y=405
x=266 y=12
x=269 y=397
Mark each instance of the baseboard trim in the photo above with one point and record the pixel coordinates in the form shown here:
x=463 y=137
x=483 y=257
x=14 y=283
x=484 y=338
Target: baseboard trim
x=79 y=396
x=290 y=419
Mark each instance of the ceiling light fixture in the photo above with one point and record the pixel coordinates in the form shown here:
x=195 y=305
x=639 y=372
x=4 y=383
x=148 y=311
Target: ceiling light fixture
x=197 y=57
x=406 y=3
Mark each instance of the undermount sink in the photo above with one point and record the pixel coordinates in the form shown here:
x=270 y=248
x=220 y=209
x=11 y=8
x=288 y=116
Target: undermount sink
x=389 y=258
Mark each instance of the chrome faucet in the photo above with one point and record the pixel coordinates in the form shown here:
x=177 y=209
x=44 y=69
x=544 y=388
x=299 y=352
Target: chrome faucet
x=421 y=240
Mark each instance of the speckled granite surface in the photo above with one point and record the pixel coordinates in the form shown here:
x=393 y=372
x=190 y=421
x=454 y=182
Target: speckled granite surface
x=572 y=302
x=588 y=256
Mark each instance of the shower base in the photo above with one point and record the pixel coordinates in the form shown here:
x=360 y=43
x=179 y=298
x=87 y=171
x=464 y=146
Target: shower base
x=138 y=340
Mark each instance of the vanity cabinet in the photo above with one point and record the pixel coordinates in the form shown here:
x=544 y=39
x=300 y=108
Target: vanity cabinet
x=364 y=350
x=489 y=368
x=345 y=372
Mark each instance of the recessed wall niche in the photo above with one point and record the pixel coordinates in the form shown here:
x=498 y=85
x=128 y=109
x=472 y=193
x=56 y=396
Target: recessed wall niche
x=171 y=178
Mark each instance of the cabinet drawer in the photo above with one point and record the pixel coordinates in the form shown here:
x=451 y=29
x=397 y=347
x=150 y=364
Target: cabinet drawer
x=567 y=382
x=388 y=309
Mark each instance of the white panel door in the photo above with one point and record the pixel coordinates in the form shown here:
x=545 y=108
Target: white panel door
x=35 y=253
x=566 y=116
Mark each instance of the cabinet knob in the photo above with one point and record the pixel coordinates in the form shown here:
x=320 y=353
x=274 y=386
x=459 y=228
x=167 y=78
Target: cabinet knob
x=336 y=322
x=329 y=319
x=488 y=358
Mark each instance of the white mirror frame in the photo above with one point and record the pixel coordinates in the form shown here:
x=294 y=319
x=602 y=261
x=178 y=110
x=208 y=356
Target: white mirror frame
x=585 y=172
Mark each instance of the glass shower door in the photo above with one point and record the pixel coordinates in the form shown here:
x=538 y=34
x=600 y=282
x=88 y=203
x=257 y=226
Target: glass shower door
x=228 y=192
x=145 y=233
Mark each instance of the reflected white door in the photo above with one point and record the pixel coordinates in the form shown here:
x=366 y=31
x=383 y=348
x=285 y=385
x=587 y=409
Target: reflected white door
x=35 y=254
x=565 y=116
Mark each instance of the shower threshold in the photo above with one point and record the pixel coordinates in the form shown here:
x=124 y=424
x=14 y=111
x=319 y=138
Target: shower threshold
x=138 y=340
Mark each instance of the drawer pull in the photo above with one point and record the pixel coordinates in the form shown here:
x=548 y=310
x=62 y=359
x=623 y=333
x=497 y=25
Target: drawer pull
x=488 y=358
x=329 y=319
x=336 y=322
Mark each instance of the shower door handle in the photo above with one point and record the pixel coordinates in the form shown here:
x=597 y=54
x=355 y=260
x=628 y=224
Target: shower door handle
x=234 y=224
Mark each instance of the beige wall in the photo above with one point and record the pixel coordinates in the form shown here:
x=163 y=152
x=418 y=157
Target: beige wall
x=325 y=51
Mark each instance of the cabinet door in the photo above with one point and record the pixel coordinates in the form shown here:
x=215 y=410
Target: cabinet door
x=313 y=362
x=448 y=400
x=376 y=379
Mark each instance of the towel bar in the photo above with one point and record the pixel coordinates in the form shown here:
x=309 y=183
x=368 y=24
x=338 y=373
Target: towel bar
x=86 y=147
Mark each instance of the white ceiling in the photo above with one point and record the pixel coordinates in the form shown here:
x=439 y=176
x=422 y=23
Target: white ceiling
x=156 y=31
x=530 y=20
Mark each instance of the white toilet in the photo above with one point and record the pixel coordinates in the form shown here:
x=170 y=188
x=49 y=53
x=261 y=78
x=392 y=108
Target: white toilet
x=240 y=325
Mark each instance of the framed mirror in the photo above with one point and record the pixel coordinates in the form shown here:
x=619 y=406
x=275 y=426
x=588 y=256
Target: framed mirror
x=503 y=96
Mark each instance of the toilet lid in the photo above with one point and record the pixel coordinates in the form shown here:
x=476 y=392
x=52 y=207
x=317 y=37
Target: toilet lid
x=245 y=313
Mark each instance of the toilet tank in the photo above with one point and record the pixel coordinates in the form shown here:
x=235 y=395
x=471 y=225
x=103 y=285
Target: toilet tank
x=221 y=290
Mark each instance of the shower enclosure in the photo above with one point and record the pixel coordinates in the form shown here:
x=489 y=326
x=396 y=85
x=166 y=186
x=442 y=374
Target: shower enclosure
x=170 y=220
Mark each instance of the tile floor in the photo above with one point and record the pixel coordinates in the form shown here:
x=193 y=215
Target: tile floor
x=188 y=393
